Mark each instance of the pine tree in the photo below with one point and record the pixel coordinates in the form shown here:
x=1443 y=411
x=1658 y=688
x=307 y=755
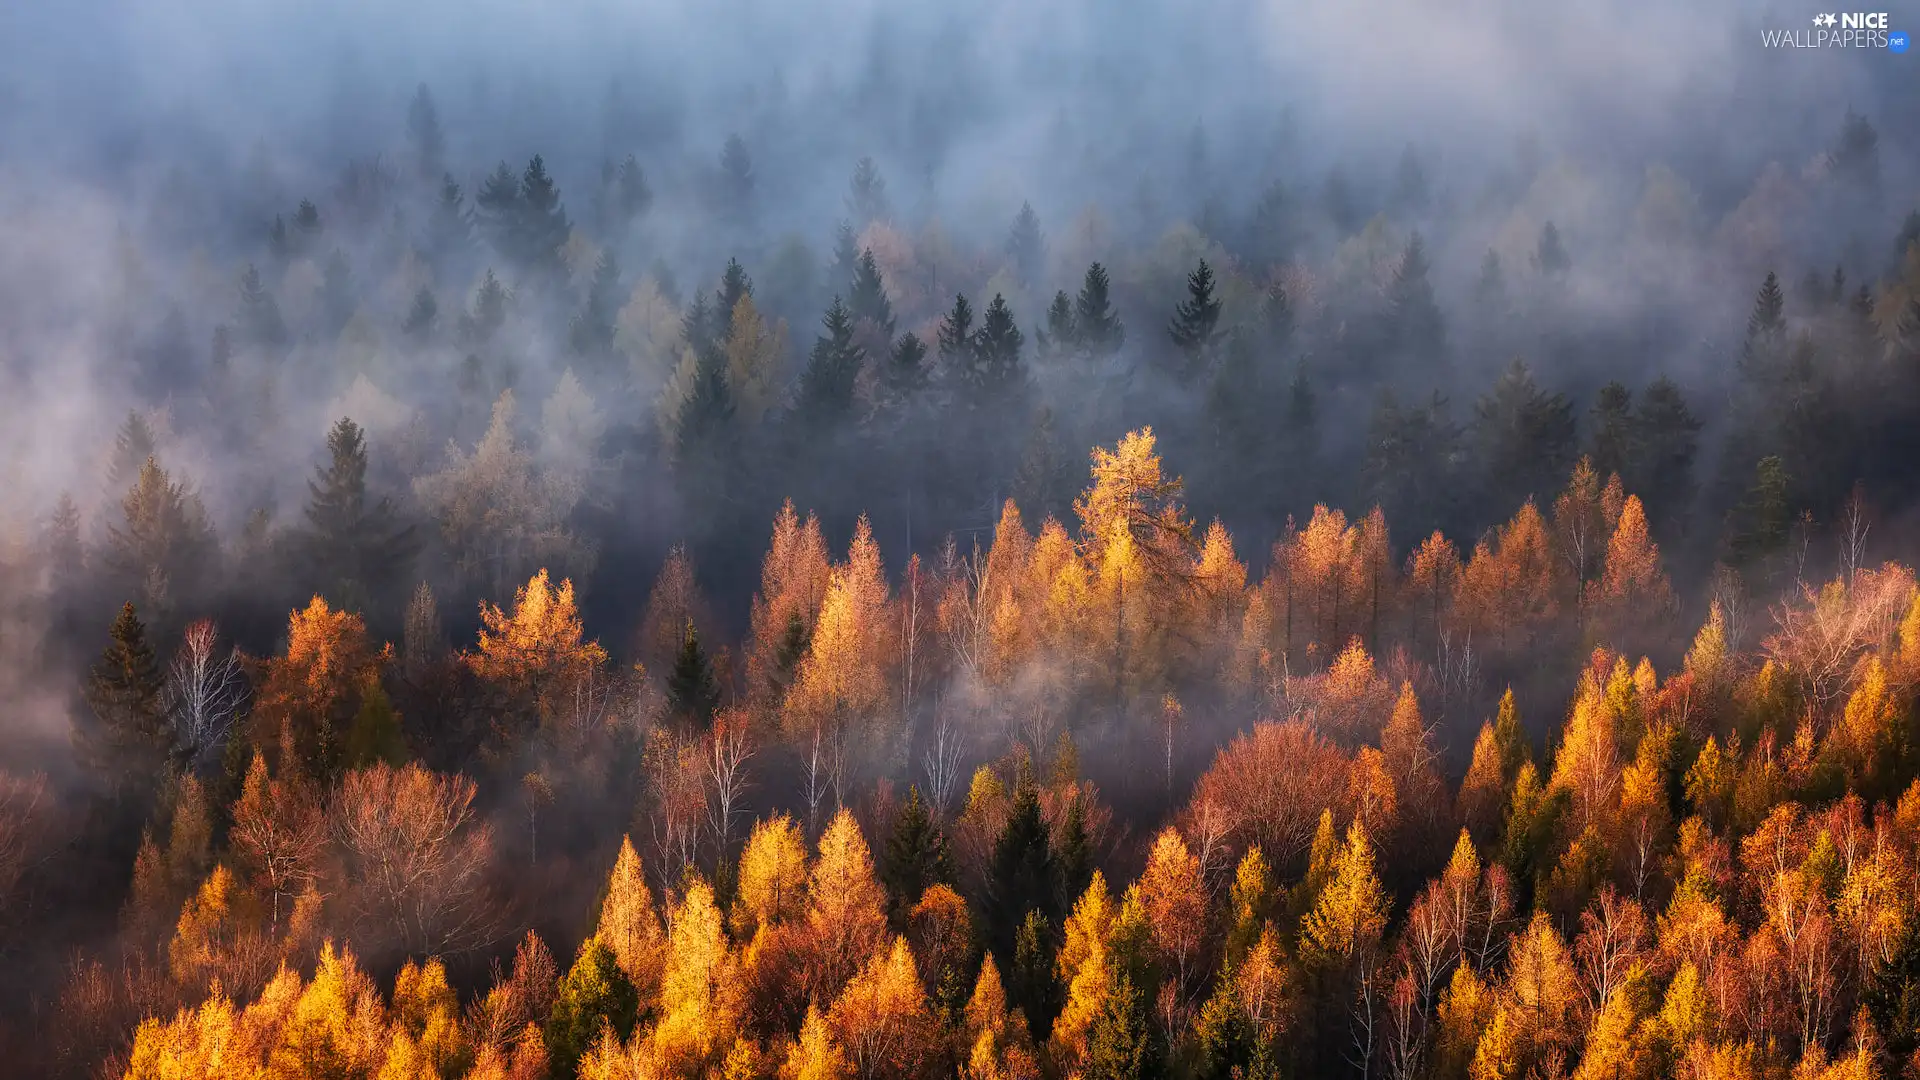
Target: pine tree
x=1021 y=872
x=1123 y=1044
x=1027 y=246
x=1096 y=325
x=917 y=855
x=1763 y=351
x=1059 y=335
x=259 y=314
x=126 y=745
x=692 y=692
x=734 y=191
x=1416 y=318
x=428 y=141
x=867 y=193
x=594 y=994
x=1550 y=257
x=422 y=316
x=1044 y=480
x=1030 y=976
x=955 y=335
x=995 y=371
x=906 y=372
x=827 y=382
x=358 y=548
x=542 y=222
x=867 y=300
x=1195 y=320
x=591 y=334
x=133 y=444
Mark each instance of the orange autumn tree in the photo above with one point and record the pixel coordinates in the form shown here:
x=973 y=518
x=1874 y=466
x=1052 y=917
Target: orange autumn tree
x=842 y=687
x=1632 y=594
x=539 y=652
x=1510 y=586
x=309 y=695
x=793 y=582
x=1139 y=547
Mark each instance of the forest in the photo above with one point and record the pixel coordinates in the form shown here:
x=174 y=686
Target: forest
x=947 y=565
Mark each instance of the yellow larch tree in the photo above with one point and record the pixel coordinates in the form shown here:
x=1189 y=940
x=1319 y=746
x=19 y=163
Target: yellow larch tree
x=882 y=1018
x=1351 y=912
x=1085 y=970
x=994 y=1037
x=1433 y=573
x=815 y=1056
x=1633 y=593
x=308 y=696
x=1137 y=540
x=842 y=685
x=846 y=908
x=700 y=987
x=539 y=650
x=1176 y=907
x=629 y=927
x=793 y=582
x=773 y=876
x=1510 y=585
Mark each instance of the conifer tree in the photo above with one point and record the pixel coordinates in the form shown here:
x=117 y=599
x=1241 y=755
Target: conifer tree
x=133 y=444
x=735 y=190
x=1195 y=320
x=358 y=547
x=126 y=743
x=1073 y=852
x=542 y=226
x=955 y=334
x=1096 y=325
x=827 y=382
x=1758 y=525
x=1123 y=1045
x=917 y=854
x=692 y=692
x=259 y=314
x=868 y=298
x=1524 y=437
x=867 y=193
x=735 y=286
x=1059 y=335
x=422 y=316
x=489 y=306
x=906 y=372
x=427 y=141
x=497 y=205
x=591 y=334
x=375 y=734
x=1021 y=871
x=994 y=372
x=633 y=197
x=450 y=229
x=846 y=255
x=1027 y=246
x=1550 y=257
x=594 y=994
x=1666 y=438
x=1490 y=287
x=1416 y=318
x=337 y=299
x=1613 y=449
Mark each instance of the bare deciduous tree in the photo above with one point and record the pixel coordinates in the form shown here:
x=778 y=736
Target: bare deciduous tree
x=204 y=693
x=413 y=856
x=728 y=748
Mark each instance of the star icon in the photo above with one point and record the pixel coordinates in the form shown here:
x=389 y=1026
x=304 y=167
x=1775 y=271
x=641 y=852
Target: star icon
x=1828 y=20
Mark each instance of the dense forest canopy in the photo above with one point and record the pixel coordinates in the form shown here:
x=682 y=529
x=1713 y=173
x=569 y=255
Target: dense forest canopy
x=836 y=541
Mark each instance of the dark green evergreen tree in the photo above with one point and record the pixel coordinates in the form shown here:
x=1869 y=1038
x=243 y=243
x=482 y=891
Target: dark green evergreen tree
x=1073 y=853
x=497 y=205
x=633 y=197
x=542 y=225
x=735 y=286
x=905 y=374
x=1027 y=246
x=868 y=298
x=827 y=382
x=846 y=256
x=1758 y=526
x=1059 y=335
x=1225 y=1041
x=358 y=549
x=916 y=857
x=1195 y=321
x=1892 y=1000
x=1614 y=446
x=1409 y=470
x=735 y=189
x=591 y=334
x=132 y=445
x=1666 y=436
x=259 y=314
x=1524 y=440
x=126 y=742
x=867 y=193
x=1416 y=323
x=1123 y=1045
x=1856 y=156
x=450 y=229
x=1096 y=325
x=1020 y=874
x=1031 y=983
x=489 y=307
x=996 y=372
x=1044 y=483
x=1550 y=258
x=422 y=316
x=1490 y=288
x=692 y=692
x=595 y=994
x=375 y=735
x=955 y=335
x=1764 y=349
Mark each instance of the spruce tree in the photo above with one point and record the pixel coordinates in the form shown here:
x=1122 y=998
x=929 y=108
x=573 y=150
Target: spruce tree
x=1758 y=525
x=132 y=445
x=497 y=205
x=1195 y=321
x=543 y=227
x=1270 y=241
x=1524 y=438
x=906 y=372
x=1667 y=436
x=489 y=307
x=422 y=316
x=1762 y=353
x=1550 y=257
x=594 y=995
x=692 y=692
x=450 y=229
x=1416 y=319
x=867 y=300
x=375 y=735
x=827 y=382
x=1073 y=852
x=735 y=286
x=916 y=857
x=1027 y=246
x=1123 y=1045
x=1020 y=873
x=1059 y=335
x=127 y=742
x=591 y=334
x=337 y=299
x=867 y=193
x=955 y=335
x=1096 y=325
x=259 y=314
x=1044 y=480
x=846 y=256
x=996 y=371
x=633 y=197
x=1031 y=985
x=1490 y=288
x=357 y=548
x=1613 y=448
x=734 y=191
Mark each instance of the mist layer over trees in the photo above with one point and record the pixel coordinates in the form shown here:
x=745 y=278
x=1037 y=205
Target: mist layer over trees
x=823 y=542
